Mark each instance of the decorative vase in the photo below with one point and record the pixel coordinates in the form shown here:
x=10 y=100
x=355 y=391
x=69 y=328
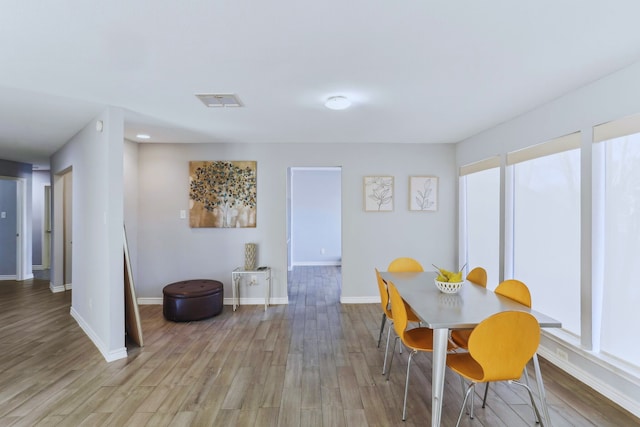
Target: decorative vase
x=250 y=250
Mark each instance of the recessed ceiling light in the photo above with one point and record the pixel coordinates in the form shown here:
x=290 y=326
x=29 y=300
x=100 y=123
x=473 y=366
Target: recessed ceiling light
x=337 y=103
x=142 y=136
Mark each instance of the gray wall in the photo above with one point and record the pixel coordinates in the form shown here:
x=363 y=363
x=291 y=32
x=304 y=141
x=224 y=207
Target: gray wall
x=168 y=250
x=8 y=230
x=96 y=161
x=316 y=216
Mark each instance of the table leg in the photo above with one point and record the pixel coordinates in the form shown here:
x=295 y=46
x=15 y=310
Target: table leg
x=541 y=392
x=267 y=291
x=234 y=290
x=440 y=339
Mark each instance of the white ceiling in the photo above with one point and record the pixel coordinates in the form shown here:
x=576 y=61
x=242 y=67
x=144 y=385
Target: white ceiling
x=417 y=71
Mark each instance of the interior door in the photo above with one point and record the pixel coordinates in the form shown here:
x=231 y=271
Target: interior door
x=8 y=229
x=68 y=235
x=46 y=229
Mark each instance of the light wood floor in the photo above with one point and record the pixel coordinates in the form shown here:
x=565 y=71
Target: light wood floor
x=311 y=363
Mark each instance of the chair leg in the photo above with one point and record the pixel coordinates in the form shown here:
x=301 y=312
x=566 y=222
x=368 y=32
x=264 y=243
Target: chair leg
x=533 y=402
x=386 y=350
x=484 y=399
x=471 y=404
x=470 y=389
x=393 y=350
x=384 y=319
x=406 y=386
x=526 y=380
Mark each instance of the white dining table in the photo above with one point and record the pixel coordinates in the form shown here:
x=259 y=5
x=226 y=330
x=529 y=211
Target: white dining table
x=463 y=310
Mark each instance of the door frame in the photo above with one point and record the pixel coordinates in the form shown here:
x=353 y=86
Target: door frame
x=23 y=271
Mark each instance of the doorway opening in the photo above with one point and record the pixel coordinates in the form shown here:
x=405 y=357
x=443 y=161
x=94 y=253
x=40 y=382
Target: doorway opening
x=62 y=231
x=314 y=226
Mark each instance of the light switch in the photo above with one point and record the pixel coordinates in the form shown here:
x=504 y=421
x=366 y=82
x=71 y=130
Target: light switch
x=3 y=215
x=183 y=214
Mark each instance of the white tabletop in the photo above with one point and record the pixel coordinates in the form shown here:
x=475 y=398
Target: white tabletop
x=465 y=309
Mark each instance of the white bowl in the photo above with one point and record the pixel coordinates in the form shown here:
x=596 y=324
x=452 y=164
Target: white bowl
x=449 y=287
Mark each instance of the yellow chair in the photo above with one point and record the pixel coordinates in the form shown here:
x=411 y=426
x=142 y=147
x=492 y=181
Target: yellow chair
x=416 y=339
x=478 y=276
x=516 y=290
x=405 y=264
x=519 y=292
x=387 y=314
x=499 y=349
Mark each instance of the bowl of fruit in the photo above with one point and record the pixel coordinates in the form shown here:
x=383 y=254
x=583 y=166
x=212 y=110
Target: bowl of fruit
x=449 y=282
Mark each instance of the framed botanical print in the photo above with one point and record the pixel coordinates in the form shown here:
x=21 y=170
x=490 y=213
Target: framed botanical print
x=423 y=193
x=378 y=193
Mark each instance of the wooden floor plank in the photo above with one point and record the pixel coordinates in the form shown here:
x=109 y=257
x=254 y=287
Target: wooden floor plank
x=314 y=362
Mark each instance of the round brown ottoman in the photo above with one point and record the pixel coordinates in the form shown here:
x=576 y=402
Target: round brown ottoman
x=192 y=300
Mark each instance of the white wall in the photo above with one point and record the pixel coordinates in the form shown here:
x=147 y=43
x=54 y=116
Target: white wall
x=96 y=161
x=168 y=250
x=131 y=203
x=610 y=98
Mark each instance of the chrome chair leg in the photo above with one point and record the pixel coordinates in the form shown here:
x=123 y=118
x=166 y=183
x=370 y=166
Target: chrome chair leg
x=384 y=320
x=406 y=386
x=470 y=389
x=526 y=380
x=533 y=403
x=393 y=350
x=386 y=350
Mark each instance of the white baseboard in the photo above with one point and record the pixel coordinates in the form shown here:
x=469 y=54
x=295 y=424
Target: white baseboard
x=9 y=277
x=149 y=301
x=109 y=356
x=316 y=263
x=360 y=300
x=38 y=267
x=226 y=301
x=56 y=289
x=606 y=378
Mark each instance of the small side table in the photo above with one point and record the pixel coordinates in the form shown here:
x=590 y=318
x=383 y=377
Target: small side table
x=237 y=274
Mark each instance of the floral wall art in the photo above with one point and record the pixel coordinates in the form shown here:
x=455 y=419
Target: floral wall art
x=423 y=193
x=378 y=193
x=222 y=194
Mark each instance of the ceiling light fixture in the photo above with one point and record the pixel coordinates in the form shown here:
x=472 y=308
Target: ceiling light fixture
x=337 y=103
x=142 y=136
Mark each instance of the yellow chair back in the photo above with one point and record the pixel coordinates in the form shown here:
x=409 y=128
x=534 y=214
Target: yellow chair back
x=384 y=295
x=503 y=343
x=478 y=276
x=405 y=264
x=400 y=317
x=516 y=290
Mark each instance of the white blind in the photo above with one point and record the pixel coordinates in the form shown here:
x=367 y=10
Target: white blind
x=490 y=163
x=617 y=128
x=554 y=146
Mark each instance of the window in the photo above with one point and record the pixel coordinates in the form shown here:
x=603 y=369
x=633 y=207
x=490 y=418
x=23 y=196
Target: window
x=481 y=220
x=545 y=232
x=621 y=226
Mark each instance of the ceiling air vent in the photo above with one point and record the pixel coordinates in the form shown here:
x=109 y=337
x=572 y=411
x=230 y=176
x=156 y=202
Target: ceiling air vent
x=219 y=99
